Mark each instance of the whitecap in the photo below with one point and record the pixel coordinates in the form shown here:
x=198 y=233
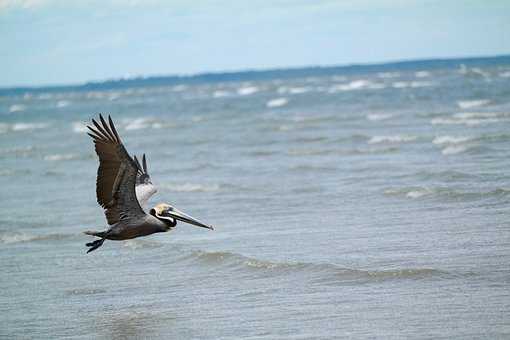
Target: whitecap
x=385 y=75
x=27 y=126
x=441 y=140
x=358 y=84
x=422 y=74
x=505 y=74
x=412 y=84
x=466 y=104
x=379 y=116
x=298 y=90
x=139 y=123
x=454 y=149
x=17 y=108
x=220 y=94
x=277 y=102
x=59 y=157
x=418 y=193
x=391 y=139
x=179 y=88
x=62 y=103
x=245 y=91
x=465 y=119
x=191 y=187
x=79 y=127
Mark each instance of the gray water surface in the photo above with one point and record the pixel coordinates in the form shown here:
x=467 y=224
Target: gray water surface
x=366 y=205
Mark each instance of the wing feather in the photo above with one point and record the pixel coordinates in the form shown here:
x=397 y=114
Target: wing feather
x=116 y=175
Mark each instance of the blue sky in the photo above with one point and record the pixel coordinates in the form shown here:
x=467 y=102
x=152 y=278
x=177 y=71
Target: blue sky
x=58 y=42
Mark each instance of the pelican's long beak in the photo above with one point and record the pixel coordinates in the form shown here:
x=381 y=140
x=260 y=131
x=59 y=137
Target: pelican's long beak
x=179 y=215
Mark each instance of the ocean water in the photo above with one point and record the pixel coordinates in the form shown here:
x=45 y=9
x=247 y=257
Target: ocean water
x=373 y=203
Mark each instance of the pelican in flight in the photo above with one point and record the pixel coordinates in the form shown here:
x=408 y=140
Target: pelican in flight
x=123 y=187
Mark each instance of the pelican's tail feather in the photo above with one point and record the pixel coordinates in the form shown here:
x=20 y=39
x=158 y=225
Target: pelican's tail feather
x=95 y=233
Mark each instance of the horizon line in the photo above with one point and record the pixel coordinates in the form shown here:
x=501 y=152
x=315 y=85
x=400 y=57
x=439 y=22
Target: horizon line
x=243 y=71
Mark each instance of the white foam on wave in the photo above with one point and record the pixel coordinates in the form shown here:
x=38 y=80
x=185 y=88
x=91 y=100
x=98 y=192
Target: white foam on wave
x=143 y=123
x=441 y=140
x=470 y=118
x=411 y=84
x=60 y=157
x=62 y=103
x=79 y=127
x=413 y=193
x=505 y=74
x=418 y=193
x=27 y=126
x=391 y=139
x=293 y=90
x=245 y=91
x=455 y=149
x=220 y=94
x=422 y=74
x=277 y=102
x=16 y=108
x=467 y=104
x=386 y=75
x=378 y=116
x=15 y=238
x=360 y=84
x=191 y=187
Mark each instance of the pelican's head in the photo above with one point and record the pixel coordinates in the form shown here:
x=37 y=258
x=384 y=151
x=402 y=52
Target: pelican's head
x=170 y=215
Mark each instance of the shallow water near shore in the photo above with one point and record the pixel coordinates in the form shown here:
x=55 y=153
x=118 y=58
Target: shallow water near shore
x=371 y=204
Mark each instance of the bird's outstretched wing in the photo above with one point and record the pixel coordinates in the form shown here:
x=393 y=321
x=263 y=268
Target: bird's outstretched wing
x=116 y=176
x=144 y=187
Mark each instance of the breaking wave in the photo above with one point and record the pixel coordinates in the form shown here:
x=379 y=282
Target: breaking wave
x=19 y=237
x=391 y=139
x=245 y=91
x=323 y=272
x=277 y=102
x=378 y=116
x=467 y=104
x=360 y=84
x=447 y=193
x=191 y=187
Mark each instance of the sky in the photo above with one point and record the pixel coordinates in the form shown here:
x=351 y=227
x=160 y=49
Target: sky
x=49 y=42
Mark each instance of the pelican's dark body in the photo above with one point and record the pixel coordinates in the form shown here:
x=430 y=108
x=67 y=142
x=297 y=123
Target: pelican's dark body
x=144 y=227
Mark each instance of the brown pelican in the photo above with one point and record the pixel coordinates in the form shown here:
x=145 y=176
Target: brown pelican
x=122 y=186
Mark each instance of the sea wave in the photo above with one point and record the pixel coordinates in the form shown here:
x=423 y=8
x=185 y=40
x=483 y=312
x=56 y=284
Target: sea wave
x=471 y=118
x=190 y=187
x=60 y=157
x=411 y=84
x=62 y=104
x=293 y=90
x=16 y=108
x=320 y=272
x=422 y=74
x=391 y=139
x=448 y=193
x=467 y=104
x=16 y=127
x=79 y=127
x=246 y=91
x=19 y=237
x=360 y=84
x=277 y=102
x=441 y=140
x=379 y=116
